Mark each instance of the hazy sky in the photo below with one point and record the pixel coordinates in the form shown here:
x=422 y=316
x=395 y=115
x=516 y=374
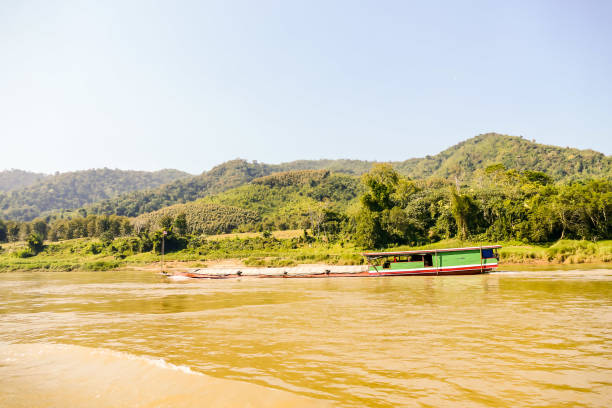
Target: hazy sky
x=188 y=85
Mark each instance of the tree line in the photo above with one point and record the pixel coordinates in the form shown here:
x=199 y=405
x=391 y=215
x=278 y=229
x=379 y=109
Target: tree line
x=501 y=205
x=107 y=227
x=381 y=209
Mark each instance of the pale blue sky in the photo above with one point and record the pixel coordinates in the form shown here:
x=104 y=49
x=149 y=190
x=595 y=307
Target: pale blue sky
x=188 y=85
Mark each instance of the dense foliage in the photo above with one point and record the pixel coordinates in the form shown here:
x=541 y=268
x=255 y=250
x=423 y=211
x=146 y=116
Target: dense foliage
x=463 y=162
x=385 y=209
x=73 y=190
x=104 y=227
x=506 y=205
x=223 y=177
x=314 y=199
x=474 y=198
x=196 y=218
x=465 y=158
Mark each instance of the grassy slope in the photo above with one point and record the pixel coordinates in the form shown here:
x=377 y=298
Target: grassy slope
x=73 y=254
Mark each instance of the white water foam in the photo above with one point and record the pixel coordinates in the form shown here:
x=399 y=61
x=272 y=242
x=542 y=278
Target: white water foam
x=59 y=375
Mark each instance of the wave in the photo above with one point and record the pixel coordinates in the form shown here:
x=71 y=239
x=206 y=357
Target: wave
x=60 y=375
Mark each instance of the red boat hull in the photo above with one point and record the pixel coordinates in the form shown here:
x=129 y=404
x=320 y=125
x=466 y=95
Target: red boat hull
x=446 y=271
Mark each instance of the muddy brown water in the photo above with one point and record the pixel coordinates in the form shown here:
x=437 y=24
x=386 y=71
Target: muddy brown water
x=111 y=339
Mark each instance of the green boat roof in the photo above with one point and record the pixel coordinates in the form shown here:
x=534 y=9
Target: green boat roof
x=428 y=251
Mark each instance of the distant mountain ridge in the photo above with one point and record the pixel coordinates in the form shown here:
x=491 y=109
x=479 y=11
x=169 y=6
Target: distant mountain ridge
x=461 y=161
x=223 y=177
x=514 y=152
x=14 y=179
x=478 y=152
x=279 y=201
x=75 y=189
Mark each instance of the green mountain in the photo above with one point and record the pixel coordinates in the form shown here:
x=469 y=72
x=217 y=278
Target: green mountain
x=222 y=177
x=286 y=200
x=464 y=161
x=15 y=179
x=75 y=189
x=513 y=152
x=479 y=152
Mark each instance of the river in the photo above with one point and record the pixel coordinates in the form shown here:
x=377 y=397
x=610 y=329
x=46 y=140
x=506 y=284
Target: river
x=102 y=339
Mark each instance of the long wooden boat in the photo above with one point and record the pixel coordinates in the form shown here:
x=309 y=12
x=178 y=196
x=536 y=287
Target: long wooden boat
x=452 y=261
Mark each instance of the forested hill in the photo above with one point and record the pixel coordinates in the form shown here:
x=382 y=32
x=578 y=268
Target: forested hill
x=463 y=161
x=479 y=152
x=228 y=175
x=513 y=152
x=280 y=201
x=223 y=177
x=15 y=179
x=76 y=189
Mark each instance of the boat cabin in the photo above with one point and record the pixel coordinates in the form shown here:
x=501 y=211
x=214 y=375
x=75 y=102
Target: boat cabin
x=434 y=261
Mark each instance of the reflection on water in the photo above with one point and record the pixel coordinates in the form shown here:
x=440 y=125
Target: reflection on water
x=498 y=340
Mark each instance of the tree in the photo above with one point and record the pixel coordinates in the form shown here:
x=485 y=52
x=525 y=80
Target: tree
x=40 y=227
x=462 y=208
x=396 y=224
x=381 y=220
x=368 y=233
x=3 y=231
x=126 y=227
x=180 y=224
x=165 y=222
x=537 y=177
x=381 y=183
x=35 y=243
x=13 y=231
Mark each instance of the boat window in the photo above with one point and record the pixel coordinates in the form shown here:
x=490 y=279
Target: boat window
x=386 y=264
x=427 y=260
x=487 y=253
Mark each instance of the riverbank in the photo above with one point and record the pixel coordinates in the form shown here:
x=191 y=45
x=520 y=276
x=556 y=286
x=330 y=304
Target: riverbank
x=256 y=251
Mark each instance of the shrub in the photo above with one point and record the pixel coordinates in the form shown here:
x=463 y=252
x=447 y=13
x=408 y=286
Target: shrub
x=254 y=261
x=35 y=243
x=94 y=248
x=24 y=253
x=101 y=265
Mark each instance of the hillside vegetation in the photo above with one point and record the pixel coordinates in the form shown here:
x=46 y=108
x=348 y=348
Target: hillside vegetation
x=196 y=218
x=295 y=200
x=281 y=201
x=223 y=177
x=465 y=158
x=15 y=179
x=76 y=189
x=340 y=215
x=463 y=162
